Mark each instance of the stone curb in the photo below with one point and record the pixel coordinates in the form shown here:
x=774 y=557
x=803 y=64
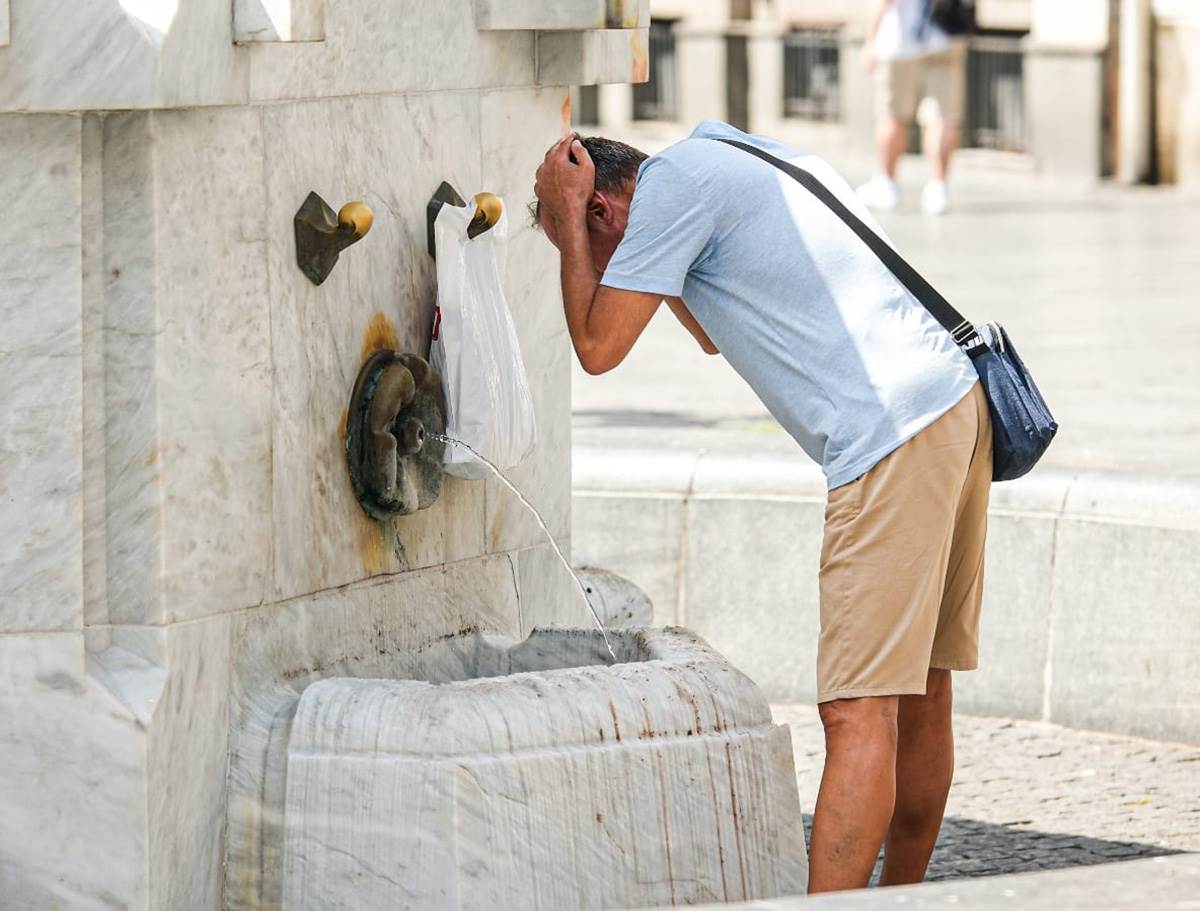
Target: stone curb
x=1092 y=605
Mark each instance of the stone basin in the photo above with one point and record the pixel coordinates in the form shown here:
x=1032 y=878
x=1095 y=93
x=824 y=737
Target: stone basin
x=539 y=774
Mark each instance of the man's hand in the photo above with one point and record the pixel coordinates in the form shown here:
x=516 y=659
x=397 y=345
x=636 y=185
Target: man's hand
x=565 y=181
x=869 y=60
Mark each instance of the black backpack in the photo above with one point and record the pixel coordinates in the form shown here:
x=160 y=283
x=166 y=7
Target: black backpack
x=954 y=17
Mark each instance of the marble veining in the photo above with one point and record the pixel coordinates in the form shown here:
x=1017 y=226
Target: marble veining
x=278 y=20
x=540 y=759
x=120 y=55
x=183 y=556
x=598 y=56
x=391 y=152
x=41 y=500
x=74 y=774
x=532 y=14
x=369 y=48
x=382 y=628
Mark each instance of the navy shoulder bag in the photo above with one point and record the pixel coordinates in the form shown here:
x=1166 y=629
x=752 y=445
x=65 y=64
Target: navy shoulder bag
x=1022 y=426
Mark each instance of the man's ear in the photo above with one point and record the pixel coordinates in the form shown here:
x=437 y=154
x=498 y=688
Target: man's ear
x=599 y=209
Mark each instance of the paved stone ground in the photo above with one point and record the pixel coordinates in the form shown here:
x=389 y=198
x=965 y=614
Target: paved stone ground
x=1035 y=796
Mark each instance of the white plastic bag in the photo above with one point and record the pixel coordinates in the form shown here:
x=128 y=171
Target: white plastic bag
x=475 y=349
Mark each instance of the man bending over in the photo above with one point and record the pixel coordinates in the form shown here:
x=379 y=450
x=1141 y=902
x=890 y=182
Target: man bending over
x=871 y=387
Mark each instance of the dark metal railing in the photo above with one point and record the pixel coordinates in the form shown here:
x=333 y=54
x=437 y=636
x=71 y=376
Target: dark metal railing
x=811 y=81
x=995 y=108
x=656 y=99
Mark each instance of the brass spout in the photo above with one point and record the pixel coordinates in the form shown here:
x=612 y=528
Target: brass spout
x=321 y=235
x=357 y=217
x=488 y=209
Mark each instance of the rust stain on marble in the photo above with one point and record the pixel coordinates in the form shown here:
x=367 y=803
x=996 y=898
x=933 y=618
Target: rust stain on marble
x=641 y=59
x=152 y=456
x=566 y=113
x=371 y=544
x=380 y=335
x=623 y=13
x=612 y=709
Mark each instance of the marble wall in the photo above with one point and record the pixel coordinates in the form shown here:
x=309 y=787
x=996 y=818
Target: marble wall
x=173 y=492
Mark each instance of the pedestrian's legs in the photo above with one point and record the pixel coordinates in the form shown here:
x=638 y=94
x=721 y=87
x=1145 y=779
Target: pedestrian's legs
x=924 y=767
x=891 y=138
x=858 y=791
x=940 y=141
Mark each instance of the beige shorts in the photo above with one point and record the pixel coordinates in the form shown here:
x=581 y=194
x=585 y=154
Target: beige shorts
x=902 y=561
x=901 y=85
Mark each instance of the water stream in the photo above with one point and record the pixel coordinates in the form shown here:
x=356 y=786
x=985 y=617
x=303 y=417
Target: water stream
x=545 y=530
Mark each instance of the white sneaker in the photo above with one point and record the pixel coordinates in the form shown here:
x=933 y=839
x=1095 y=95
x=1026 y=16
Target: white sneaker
x=880 y=193
x=934 y=198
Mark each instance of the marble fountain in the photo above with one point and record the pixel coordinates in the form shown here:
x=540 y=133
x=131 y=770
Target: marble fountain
x=223 y=684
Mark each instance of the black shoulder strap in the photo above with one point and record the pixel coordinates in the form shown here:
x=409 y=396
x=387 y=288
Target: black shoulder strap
x=960 y=329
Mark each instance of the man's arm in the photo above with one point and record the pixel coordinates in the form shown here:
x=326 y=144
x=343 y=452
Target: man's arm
x=684 y=315
x=874 y=16
x=603 y=322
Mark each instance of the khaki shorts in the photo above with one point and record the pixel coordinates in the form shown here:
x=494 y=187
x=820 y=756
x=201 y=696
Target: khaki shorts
x=900 y=85
x=902 y=561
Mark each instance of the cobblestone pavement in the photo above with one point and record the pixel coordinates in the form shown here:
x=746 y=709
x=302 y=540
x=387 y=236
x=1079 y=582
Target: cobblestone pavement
x=1034 y=796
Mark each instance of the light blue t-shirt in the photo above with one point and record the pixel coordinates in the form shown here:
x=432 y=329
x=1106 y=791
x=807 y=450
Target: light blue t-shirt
x=840 y=353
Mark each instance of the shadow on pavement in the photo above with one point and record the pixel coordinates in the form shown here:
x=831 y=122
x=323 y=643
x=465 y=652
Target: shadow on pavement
x=604 y=417
x=969 y=847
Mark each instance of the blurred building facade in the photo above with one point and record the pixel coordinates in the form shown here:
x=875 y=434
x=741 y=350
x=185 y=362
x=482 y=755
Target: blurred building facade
x=1047 y=80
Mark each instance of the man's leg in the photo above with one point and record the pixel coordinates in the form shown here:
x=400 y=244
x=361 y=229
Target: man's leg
x=945 y=78
x=940 y=140
x=894 y=106
x=858 y=791
x=891 y=138
x=924 y=768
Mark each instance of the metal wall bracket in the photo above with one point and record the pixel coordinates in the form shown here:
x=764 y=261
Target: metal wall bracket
x=488 y=209
x=443 y=195
x=321 y=235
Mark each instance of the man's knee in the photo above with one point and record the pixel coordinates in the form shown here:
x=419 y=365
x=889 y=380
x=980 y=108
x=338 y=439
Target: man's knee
x=868 y=717
x=938 y=699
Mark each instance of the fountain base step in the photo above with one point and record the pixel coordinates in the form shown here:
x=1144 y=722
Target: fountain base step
x=547 y=781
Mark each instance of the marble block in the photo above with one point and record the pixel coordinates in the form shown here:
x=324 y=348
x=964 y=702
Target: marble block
x=593 y=57
x=536 y=14
x=400 y=46
x=533 y=775
x=629 y=13
x=4 y=26
x=41 y=547
x=564 y=15
x=400 y=627
x=73 y=795
x=278 y=20
x=391 y=152
x=155 y=54
x=120 y=54
x=181 y=342
x=616 y=600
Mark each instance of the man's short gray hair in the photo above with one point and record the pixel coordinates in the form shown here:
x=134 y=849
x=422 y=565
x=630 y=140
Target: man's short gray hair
x=616 y=164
